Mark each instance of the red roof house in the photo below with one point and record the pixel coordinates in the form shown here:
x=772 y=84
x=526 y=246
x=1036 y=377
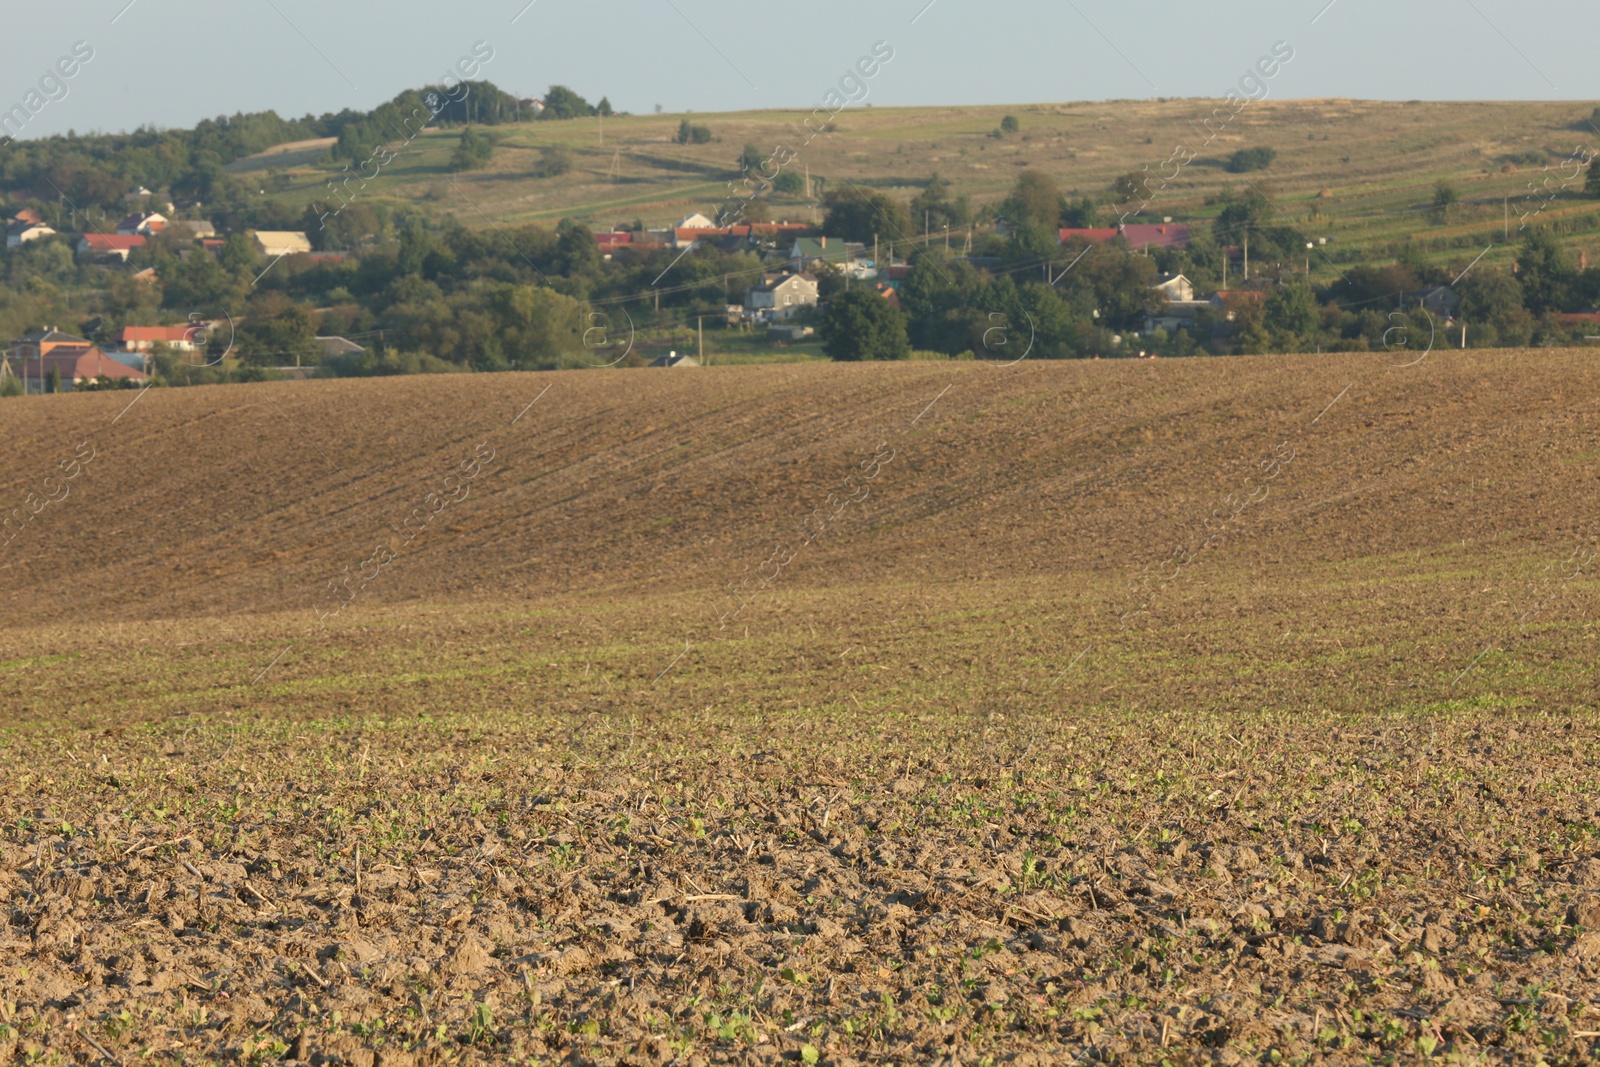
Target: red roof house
x=81 y=363
x=1157 y=235
x=108 y=245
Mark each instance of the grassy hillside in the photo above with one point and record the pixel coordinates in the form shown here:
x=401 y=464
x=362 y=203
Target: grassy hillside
x=1361 y=173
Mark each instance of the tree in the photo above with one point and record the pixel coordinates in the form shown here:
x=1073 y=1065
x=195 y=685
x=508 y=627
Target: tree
x=856 y=213
x=1364 y=285
x=554 y=161
x=1445 y=197
x=1545 y=272
x=1491 y=305
x=1035 y=197
x=860 y=325
x=688 y=134
x=1291 y=315
x=1248 y=159
x=604 y=107
x=473 y=150
x=576 y=248
x=1592 y=185
x=751 y=160
x=1009 y=124
x=934 y=209
x=1080 y=214
x=562 y=103
x=52 y=381
x=788 y=183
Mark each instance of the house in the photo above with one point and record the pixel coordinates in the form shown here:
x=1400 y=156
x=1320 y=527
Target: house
x=194 y=229
x=109 y=246
x=1142 y=237
x=212 y=244
x=337 y=346
x=1181 y=307
x=25 y=214
x=145 y=338
x=138 y=195
x=144 y=223
x=19 y=232
x=610 y=242
x=1440 y=301
x=533 y=107
x=78 y=364
x=807 y=252
x=148 y=276
x=1175 y=287
x=892 y=277
x=41 y=343
x=1093 y=236
x=696 y=221
x=276 y=243
x=675 y=359
x=77 y=360
x=779 y=296
x=1228 y=302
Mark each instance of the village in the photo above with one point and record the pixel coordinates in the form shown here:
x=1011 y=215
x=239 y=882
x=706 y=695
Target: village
x=784 y=301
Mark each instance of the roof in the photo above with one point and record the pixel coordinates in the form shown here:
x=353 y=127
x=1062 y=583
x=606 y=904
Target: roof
x=1156 y=235
x=291 y=239
x=614 y=237
x=675 y=359
x=84 y=361
x=156 y=333
x=140 y=219
x=1068 y=233
x=52 y=336
x=338 y=346
x=194 y=227
x=767 y=285
x=109 y=242
x=820 y=248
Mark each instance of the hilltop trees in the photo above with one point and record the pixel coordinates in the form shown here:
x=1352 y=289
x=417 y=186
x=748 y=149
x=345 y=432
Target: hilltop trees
x=1592 y=185
x=690 y=134
x=562 y=103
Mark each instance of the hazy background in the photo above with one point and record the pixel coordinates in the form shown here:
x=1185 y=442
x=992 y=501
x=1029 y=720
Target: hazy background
x=171 y=62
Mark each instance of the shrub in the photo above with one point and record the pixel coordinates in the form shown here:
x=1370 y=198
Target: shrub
x=1248 y=159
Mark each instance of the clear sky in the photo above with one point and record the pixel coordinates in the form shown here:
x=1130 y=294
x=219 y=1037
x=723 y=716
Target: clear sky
x=172 y=62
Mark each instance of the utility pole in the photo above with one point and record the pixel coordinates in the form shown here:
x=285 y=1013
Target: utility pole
x=1247 y=254
x=926 y=236
x=1507 y=203
x=701 y=323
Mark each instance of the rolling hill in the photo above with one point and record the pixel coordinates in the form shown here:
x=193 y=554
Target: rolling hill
x=1361 y=173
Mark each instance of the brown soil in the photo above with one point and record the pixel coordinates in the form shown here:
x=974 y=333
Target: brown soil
x=985 y=773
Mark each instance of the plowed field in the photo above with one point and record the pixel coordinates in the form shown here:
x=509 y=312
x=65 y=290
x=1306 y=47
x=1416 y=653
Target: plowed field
x=1185 y=711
